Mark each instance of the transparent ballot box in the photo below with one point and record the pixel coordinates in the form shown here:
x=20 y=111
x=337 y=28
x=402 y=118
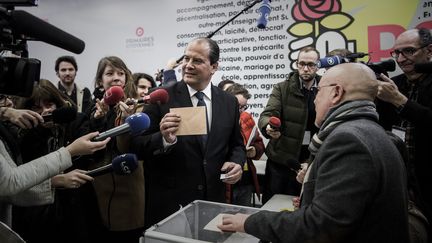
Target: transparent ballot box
x=195 y=223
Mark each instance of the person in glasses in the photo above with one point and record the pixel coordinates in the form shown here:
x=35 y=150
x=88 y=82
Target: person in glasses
x=405 y=106
x=292 y=102
x=355 y=187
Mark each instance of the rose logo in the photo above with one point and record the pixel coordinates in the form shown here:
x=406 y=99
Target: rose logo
x=316 y=21
x=314 y=15
x=306 y=10
x=139 y=31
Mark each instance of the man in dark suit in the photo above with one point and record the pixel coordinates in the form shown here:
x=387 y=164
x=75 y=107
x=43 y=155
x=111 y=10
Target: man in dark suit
x=180 y=169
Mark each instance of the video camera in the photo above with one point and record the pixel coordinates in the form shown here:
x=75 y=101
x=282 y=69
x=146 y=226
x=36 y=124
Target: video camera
x=18 y=73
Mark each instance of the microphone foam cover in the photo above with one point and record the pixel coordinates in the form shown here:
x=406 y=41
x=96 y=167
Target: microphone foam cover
x=275 y=122
x=113 y=95
x=138 y=123
x=125 y=164
x=159 y=95
x=330 y=61
x=64 y=114
x=32 y=26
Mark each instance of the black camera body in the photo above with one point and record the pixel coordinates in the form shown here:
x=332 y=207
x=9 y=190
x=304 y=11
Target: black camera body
x=18 y=75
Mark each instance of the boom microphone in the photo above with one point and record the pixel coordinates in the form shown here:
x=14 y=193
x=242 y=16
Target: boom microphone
x=158 y=96
x=113 y=95
x=264 y=14
x=32 y=26
x=423 y=67
x=61 y=115
x=275 y=123
x=356 y=55
x=327 y=62
x=123 y=164
x=135 y=124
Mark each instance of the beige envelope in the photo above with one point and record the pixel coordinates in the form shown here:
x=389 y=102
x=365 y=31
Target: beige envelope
x=193 y=120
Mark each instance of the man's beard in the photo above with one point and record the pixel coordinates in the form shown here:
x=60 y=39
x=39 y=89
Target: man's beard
x=307 y=77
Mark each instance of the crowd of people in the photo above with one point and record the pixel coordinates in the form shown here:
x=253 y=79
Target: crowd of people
x=351 y=146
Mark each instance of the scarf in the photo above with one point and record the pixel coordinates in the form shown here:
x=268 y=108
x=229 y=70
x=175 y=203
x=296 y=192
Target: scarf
x=344 y=112
x=349 y=110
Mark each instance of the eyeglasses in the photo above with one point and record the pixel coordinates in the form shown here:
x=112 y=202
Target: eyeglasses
x=307 y=64
x=243 y=107
x=323 y=86
x=4 y=97
x=406 y=52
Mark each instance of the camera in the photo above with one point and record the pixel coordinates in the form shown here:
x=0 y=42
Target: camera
x=385 y=66
x=18 y=73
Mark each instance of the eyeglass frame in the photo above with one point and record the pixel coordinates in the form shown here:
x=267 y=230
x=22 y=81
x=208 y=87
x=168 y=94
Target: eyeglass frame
x=308 y=65
x=243 y=107
x=396 y=53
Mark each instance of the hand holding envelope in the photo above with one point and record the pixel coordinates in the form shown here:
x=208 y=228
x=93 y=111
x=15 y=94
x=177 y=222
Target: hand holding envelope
x=193 y=120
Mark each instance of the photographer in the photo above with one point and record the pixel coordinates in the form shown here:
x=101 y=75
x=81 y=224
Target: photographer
x=405 y=106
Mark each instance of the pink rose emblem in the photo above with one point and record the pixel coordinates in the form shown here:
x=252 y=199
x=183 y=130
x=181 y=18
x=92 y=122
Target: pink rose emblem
x=306 y=10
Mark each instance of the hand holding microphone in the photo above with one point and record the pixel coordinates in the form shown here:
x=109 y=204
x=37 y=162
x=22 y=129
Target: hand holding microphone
x=111 y=97
x=61 y=115
x=83 y=145
x=123 y=164
x=159 y=96
x=273 y=127
x=134 y=124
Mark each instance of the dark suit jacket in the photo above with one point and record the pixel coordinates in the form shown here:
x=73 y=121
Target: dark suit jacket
x=185 y=172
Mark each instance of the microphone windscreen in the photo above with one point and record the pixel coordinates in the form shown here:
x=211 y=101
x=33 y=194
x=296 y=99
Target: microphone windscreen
x=32 y=26
x=423 y=67
x=138 y=123
x=330 y=61
x=125 y=164
x=264 y=12
x=159 y=96
x=275 y=122
x=113 y=95
x=61 y=115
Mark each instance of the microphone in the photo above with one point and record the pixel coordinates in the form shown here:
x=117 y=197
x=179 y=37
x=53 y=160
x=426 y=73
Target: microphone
x=113 y=95
x=61 y=115
x=275 y=123
x=123 y=164
x=264 y=14
x=423 y=67
x=356 y=55
x=32 y=26
x=135 y=124
x=330 y=61
x=159 y=96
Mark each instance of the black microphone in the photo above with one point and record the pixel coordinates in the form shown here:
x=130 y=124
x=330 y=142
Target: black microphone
x=423 y=67
x=135 y=124
x=356 y=55
x=327 y=62
x=61 y=115
x=264 y=10
x=123 y=164
x=32 y=26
